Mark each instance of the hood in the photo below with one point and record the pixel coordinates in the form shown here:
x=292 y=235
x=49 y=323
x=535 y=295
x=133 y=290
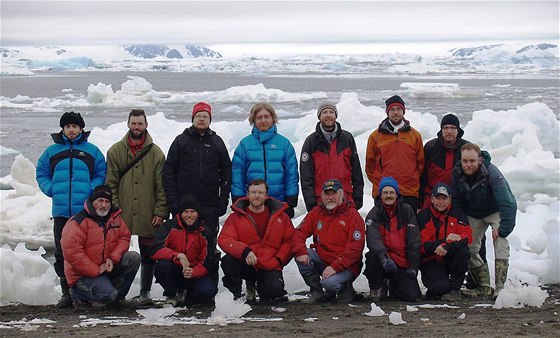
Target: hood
x=387 y=128
x=273 y=205
x=264 y=136
x=60 y=138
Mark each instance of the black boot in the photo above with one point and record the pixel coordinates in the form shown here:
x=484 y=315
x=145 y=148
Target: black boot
x=314 y=282
x=346 y=295
x=66 y=299
x=146 y=277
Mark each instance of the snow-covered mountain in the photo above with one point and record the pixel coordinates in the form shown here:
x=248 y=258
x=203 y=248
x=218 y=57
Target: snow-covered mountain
x=151 y=51
x=492 y=59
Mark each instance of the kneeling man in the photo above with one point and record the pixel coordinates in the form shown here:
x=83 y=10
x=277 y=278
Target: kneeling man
x=97 y=264
x=334 y=260
x=445 y=234
x=393 y=241
x=256 y=238
x=180 y=252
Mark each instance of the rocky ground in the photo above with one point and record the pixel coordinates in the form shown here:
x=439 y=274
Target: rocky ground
x=298 y=319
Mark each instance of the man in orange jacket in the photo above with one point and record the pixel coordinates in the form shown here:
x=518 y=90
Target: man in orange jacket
x=395 y=149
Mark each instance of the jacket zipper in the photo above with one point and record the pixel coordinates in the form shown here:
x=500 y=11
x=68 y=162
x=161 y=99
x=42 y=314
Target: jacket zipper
x=264 y=162
x=70 y=182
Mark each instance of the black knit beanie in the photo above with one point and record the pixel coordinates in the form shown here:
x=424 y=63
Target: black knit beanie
x=72 y=118
x=394 y=100
x=101 y=191
x=189 y=202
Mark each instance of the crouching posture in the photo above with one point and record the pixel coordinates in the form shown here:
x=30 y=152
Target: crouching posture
x=97 y=264
x=335 y=258
x=393 y=241
x=256 y=238
x=445 y=235
x=180 y=252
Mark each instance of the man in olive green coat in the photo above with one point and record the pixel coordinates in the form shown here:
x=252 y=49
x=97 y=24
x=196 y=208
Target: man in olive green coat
x=138 y=190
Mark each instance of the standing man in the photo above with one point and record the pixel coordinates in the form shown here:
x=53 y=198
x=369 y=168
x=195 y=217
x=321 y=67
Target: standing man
x=440 y=156
x=266 y=154
x=97 y=263
x=256 y=239
x=67 y=171
x=481 y=190
x=180 y=251
x=134 y=174
x=395 y=149
x=330 y=152
x=334 y=260
x=445 y=235
x=198 y=164
x=394 y=243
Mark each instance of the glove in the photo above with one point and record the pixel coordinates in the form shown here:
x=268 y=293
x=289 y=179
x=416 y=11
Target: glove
x=412 y=272
x=388 y=264
x=290 y=212
x=222 y=207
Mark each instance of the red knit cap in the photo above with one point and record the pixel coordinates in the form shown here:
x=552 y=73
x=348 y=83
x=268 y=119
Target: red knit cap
x=202 y=106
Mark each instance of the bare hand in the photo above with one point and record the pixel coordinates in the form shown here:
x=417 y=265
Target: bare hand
x=188 y=273
x=157 y=221
x=440 y=251
x=251 y=259
x=184 y=261
x=109 y=265
x=453 y=238
x=102 y=268
x=329 y=271
x=303 y=259
x=495 y=234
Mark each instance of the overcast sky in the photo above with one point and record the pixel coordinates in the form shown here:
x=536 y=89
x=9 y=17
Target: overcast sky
x=212 y=22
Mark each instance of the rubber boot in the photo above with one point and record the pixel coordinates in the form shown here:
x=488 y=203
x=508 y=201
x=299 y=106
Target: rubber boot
x=501 y=270
x=346 y=295
x=146 y=277
x=314 y=282
x=66 y=300
x=481 y=276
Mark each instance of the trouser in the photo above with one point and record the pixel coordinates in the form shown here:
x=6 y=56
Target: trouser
x=170 y=276
x=479 y=227
x=402 y=285
x=59 y=223
x=144 y=243
x=334 y=283
x=109 y=286
x=270 y=283
x=211 y=229
x=441 y=277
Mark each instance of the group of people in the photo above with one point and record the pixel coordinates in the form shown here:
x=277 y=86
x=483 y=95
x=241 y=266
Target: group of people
x=433 y=205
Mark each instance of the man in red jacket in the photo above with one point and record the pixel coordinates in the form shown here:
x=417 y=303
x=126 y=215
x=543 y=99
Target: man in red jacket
x=394 y=243
x=445 y=235
x=97 y=264
x=334 y=260
x=180 y=251
x=256 y=239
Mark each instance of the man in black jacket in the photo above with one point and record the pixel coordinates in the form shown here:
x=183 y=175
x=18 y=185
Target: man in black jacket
x=330 y=152
x=198 y=164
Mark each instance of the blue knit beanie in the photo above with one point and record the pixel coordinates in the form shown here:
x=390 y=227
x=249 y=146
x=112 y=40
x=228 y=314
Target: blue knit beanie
x=388 y=181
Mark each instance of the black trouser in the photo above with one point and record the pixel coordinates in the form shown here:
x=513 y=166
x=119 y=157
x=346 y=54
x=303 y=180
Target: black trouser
x=270 y=283
x=170 y=276
x=211 y=229
x=59 y=223
x=440 y=278
x=145 y=253
x=402 y=285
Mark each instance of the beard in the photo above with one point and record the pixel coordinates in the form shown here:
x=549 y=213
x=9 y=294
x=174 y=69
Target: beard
x=330 y=205
x=137 y=135
x=102 y=212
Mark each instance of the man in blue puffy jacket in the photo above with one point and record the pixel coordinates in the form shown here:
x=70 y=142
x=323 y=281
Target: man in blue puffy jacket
x=267 y=155
x=68 y=171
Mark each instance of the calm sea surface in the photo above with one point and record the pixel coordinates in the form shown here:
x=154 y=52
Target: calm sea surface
x=28 y=131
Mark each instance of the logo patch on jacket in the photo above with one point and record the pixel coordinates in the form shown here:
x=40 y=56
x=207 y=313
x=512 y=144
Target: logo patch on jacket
x=319 y=225
x=369 y=221
x=357 y=235
x=410 y=225
x=304 y=157
x=278 y=220
x=342 y=222
x=81 y=153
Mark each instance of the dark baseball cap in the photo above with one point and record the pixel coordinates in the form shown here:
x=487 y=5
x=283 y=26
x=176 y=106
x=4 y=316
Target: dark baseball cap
x=441 y=189
x=332 y=184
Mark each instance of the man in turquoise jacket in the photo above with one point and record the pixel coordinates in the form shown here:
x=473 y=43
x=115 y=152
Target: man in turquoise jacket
x=68 y=171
